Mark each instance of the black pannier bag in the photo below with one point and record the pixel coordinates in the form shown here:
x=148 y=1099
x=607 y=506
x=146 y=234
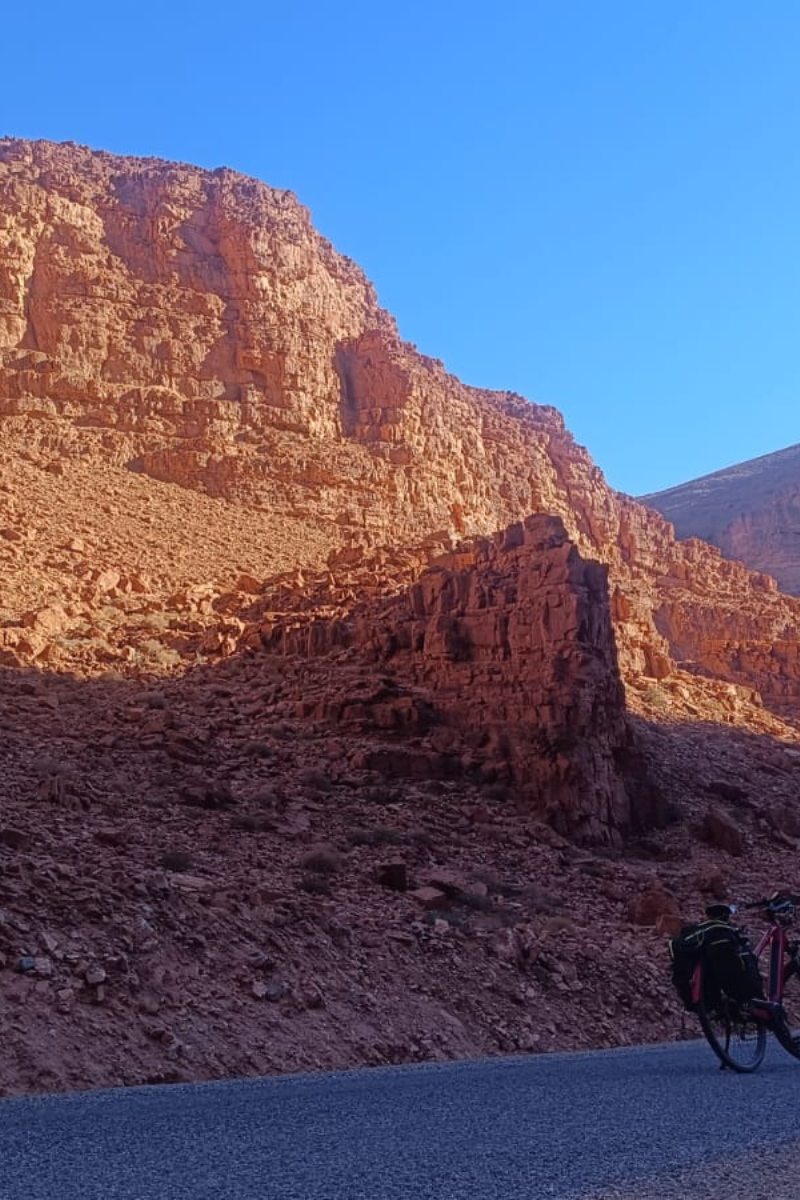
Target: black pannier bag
x=729 y=963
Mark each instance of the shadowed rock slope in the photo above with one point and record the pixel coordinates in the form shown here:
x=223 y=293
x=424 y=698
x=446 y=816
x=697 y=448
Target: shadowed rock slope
x=750 y=511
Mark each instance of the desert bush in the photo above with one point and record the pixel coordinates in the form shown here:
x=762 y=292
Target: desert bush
x=258 y=749
x=314 y=779
x=323 y=860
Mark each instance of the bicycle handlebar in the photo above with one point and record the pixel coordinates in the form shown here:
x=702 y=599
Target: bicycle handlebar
x=777 y=903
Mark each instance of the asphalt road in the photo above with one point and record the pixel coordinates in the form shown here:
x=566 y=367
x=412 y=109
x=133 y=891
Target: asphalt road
x=567 y=1125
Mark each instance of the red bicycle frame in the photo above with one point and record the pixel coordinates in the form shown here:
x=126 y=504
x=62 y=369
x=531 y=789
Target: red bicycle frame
x=774 y=937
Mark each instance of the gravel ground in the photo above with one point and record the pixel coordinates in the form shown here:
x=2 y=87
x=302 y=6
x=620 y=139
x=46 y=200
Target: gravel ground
x=629 y=1124
x=768 y=1174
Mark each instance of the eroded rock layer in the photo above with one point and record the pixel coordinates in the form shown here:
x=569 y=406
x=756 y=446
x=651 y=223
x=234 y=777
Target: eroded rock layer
x=507 y=656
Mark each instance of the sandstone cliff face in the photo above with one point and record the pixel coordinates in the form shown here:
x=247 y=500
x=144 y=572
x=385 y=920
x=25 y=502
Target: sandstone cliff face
x=193 y=326
x=750 y=511
x=162 y=323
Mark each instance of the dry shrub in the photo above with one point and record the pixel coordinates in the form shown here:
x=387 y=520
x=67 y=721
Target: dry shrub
x=323 y=860
x=256 y=749
x=314 y=779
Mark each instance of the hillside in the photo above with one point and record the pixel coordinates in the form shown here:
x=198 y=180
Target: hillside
x=750 y=511
x=328 y=682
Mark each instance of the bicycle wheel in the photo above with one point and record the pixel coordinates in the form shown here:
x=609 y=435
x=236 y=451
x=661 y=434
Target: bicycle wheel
x=787 y=1026
x=738 y=1041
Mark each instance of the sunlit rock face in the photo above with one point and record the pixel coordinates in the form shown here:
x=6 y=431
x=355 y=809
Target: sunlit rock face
x=198 y=394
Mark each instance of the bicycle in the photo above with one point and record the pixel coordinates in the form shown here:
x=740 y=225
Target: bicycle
x=736 y=1028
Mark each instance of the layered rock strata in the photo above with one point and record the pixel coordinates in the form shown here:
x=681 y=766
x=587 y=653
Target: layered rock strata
x=163 y=325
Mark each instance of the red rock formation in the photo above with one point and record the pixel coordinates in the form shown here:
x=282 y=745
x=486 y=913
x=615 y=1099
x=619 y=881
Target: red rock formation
x=193 y=326
x=213 y=819
x=506 y=650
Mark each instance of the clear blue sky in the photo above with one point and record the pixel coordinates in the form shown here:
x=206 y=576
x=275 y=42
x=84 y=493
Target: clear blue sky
x=595 y=203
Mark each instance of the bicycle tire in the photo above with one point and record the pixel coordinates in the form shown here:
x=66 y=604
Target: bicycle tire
x=738 y=1040
x=787 y=1026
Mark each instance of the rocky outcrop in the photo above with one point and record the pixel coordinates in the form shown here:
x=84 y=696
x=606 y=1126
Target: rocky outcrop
x=750 y=511
x=506 y=654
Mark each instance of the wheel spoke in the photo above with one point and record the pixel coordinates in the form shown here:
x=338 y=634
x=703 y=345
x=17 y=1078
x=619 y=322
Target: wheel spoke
x=738 y=1040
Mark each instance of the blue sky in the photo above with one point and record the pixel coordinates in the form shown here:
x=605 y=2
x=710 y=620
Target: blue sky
x=594 y=203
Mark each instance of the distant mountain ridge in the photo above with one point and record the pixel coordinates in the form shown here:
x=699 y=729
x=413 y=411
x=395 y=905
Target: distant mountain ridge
x=750 y=511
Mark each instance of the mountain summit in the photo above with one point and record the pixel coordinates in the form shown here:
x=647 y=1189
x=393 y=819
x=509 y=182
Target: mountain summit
x=750 y=511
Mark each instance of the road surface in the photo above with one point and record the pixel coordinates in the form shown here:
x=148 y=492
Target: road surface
x=566 y=1125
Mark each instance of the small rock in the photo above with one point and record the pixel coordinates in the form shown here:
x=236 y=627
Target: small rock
x=248 y=583
x=430 y=897
x=94 y=976
x=718 y=829
x=111 y=837
x=646 y=907
x=712 y=882
x=191 y=883
x=15 y=839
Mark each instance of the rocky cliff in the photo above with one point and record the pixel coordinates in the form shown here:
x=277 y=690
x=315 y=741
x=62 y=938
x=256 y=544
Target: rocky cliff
x=505 y=657
x=192 y=328
x=750 y=511
x=316 y=665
